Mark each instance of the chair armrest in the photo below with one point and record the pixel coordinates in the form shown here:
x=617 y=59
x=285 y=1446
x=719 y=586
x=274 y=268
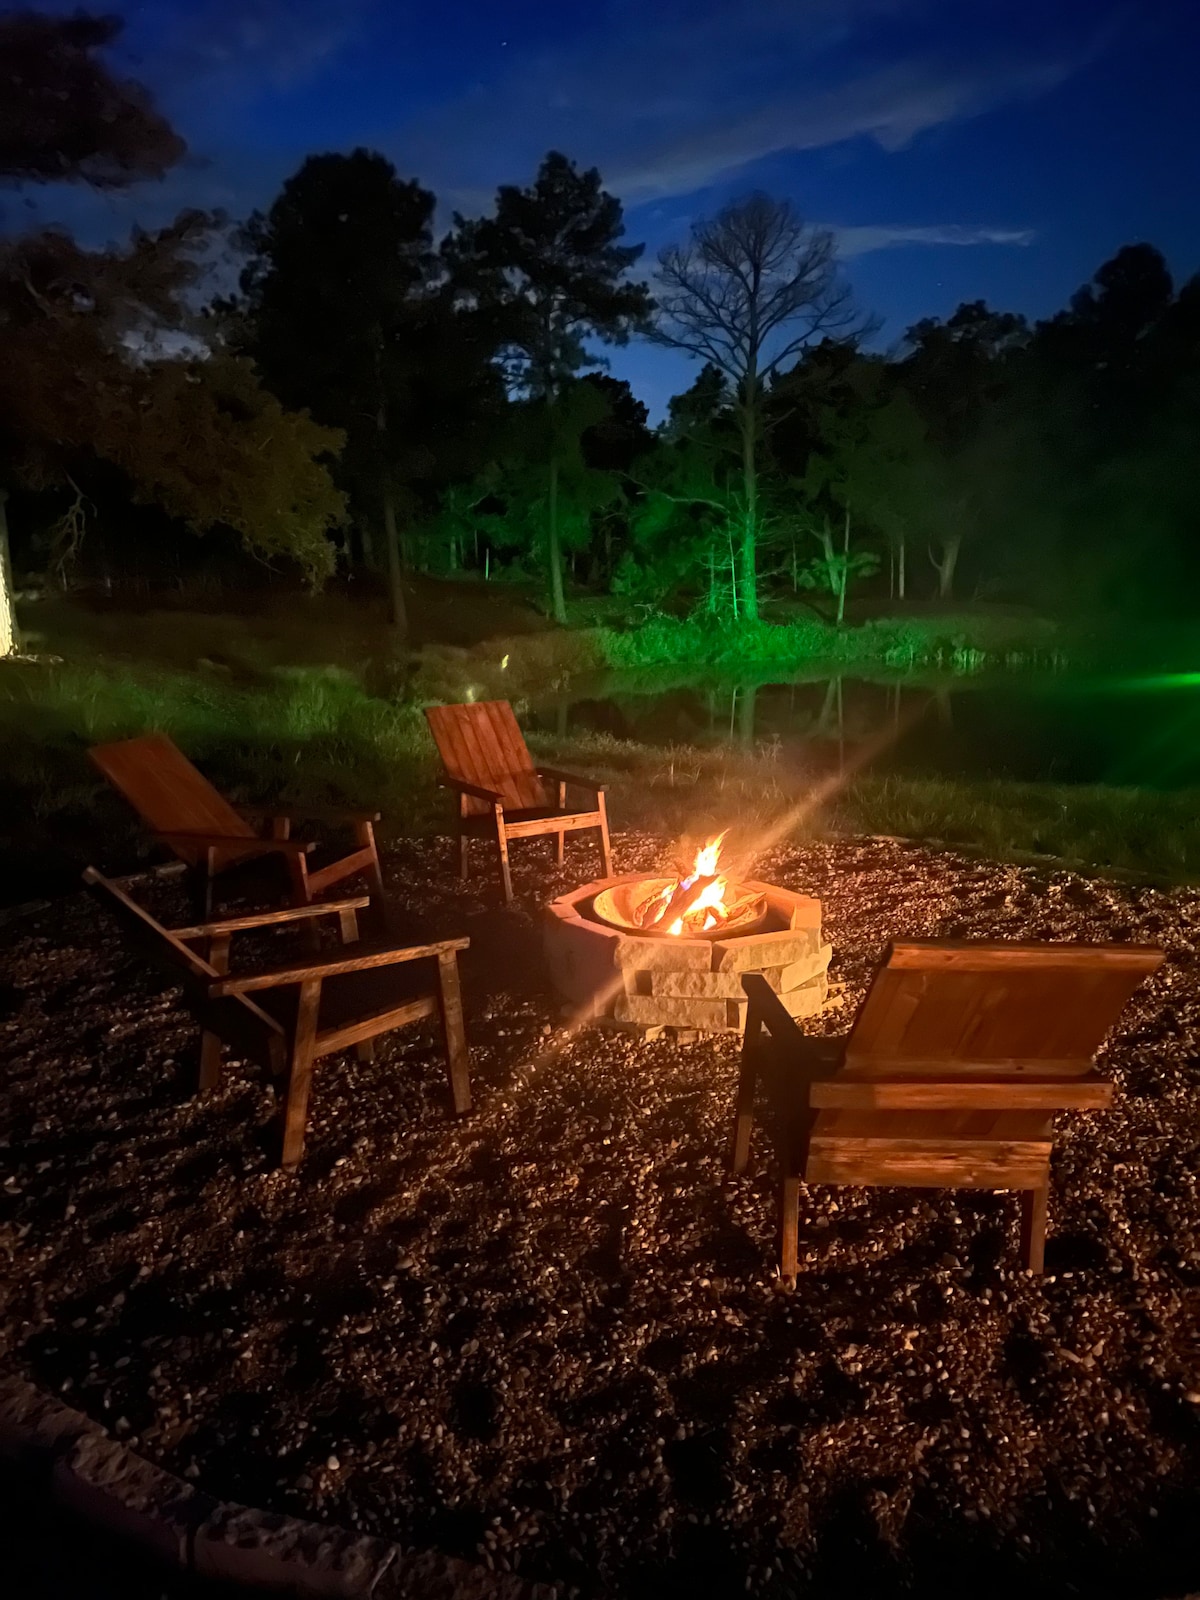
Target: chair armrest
x=560 y=776
x=307 y=813
x=263 y=919
x=239 y=846
x=333 y=967
x=477 y=789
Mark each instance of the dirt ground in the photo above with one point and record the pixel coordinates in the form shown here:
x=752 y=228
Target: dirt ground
x=550 y=1336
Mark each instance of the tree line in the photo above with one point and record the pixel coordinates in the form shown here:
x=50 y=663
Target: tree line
x=372 y=398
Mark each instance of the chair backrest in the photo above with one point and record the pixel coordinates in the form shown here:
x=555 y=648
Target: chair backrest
x=168 y=792
x=233 y=1015
x=944 y=1008
x=481 y=743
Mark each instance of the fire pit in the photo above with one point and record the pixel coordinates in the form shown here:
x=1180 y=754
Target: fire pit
x=656 y=952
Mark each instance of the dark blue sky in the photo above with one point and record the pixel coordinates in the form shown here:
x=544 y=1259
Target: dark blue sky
x=962 y=148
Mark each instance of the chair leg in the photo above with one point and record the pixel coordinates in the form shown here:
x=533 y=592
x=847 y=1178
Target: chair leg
x=205 y=886
x=364 y=836
x=303 y=1055
x=743 y=1106
x=463 y=840
x=789 y=1226
x=458 y=1057
x=302 y=896
x=605 y=849
x=1035 y=1206
x=502 y=844
x=348 y=925
x=210 y=1043
x=210 y=1061
x=560 y=838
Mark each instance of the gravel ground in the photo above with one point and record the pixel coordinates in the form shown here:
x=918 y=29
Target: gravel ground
x=550 y=1336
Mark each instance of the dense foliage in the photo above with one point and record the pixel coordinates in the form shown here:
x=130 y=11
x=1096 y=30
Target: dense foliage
x=108 y=393
x=451 y=397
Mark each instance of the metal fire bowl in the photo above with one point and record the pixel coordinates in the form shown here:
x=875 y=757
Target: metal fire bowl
x=618 y=908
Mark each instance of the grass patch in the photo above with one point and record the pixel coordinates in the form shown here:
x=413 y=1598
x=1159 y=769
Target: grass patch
x=961 y=644
x=317 y=735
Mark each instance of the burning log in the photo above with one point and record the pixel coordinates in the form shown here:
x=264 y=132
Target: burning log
x=685 y=899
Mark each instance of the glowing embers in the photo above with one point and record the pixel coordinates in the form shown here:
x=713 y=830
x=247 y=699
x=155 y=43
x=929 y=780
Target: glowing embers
x=698 y=903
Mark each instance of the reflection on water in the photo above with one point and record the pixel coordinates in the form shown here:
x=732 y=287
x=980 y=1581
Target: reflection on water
x=1058 y=730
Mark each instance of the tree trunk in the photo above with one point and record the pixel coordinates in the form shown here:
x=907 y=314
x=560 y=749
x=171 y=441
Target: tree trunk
x=844 y=574
x=746 y=710
x=10 y=639
x=946 y=565
x=391 y=535
x=554 y=554
x=395 y=573
x=900 y=554
x=829 y=558
x=748 y=554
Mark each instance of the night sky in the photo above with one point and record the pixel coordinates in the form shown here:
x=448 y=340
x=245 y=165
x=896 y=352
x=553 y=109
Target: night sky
x=963 y=148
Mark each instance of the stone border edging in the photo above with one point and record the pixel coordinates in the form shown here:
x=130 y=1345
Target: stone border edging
x=92 y=1477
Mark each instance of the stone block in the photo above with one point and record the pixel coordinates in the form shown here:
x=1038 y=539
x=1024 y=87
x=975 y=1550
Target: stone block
x=795 y=910
x=727 y=985
x=797 y=973
x=757 y=952
x=807 y=1000
x=580 y=958
x=117 y=1491
x=710 y=1015
x=260 y=1549
x=33 y=1423
x=693 y=985
x=664 y=955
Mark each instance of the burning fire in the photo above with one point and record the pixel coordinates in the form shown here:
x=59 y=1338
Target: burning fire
x=698 y=897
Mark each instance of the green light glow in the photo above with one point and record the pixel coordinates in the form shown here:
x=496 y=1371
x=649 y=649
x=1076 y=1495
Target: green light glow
x=1166 y=681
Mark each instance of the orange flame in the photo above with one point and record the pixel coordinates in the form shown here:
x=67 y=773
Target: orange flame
x=710 y=908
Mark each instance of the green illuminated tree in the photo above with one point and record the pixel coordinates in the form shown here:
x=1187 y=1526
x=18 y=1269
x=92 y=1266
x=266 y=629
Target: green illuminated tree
x=753 y=287
x=546 y=273
x=686 y=526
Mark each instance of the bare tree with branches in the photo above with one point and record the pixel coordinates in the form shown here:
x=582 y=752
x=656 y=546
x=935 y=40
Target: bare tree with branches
x=750 y=290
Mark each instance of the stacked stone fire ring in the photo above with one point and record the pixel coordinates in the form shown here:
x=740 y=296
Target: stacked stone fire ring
x=650 y=981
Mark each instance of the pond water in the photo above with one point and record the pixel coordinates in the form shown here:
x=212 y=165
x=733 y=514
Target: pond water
x=1058 y=729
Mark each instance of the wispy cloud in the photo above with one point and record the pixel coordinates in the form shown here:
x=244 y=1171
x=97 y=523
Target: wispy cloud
x=670 y=100
x=861 y=240
x=206 y=48
x=668 y=97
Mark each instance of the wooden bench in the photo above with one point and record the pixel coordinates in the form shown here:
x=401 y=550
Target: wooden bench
x=194 y=820
x=950 y=1077
x=501 y=792
x=288 y=1017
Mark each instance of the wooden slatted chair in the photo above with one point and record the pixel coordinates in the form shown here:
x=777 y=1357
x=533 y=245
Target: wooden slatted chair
x=957 y=1061
x=289 y=1017
x=501 y=792
x=191 y=817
